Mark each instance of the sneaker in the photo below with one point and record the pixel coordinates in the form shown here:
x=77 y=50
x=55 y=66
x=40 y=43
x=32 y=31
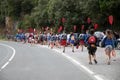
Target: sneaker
x=114 y=59
x=95 y=61
x=108 y=63
x=90 y=63
x=82 y=50
x=72 y=50
x=63 y=51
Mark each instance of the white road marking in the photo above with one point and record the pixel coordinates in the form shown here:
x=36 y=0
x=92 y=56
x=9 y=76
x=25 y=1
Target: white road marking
x=10 y=57
x=96 y=76
x=4 y=65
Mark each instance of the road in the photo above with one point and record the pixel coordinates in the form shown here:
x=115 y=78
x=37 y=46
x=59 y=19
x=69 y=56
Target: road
x=31 y=62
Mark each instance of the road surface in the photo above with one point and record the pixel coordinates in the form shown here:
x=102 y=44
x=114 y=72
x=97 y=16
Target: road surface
x=32 y=62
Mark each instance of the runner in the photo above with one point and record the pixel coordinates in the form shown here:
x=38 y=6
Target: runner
x=48 y=39
x=18 y=37
x=81 y=37
x=40 y=40
x=23 y=36
x=64 y=41
x=57 y=44
x=108 y=42
x=36 y=37
x=44 y=39
x=53 y=39
x=32 y=38
x=72 y=41
x=86 y=37
x=92 y=40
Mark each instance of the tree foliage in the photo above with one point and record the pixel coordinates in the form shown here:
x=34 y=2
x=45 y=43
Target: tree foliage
x=43 y=13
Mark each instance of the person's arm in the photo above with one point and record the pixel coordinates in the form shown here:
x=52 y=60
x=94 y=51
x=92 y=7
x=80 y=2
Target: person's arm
x=102 y=44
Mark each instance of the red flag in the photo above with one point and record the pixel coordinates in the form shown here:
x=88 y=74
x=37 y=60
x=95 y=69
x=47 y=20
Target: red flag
x=75 y=28
x=60 y=27
x=63 y=20
x=111 y=19
x=59 y=30
x=95 y=26
x=43 y=29
x=82 y=28
x=30 y=30
x=88 y=20
x=47 y=28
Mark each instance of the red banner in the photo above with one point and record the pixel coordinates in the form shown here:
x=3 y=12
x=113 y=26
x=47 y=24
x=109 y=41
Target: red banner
x=111 y=19
x=43 y=28
x=75 y=28
x=82 y=28
x=30 y=30
x=89 y=20
x=60 y=29
x=63 y=20
x=95 y=26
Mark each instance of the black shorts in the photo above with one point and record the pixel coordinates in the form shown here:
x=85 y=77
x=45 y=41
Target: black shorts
x=91 y=50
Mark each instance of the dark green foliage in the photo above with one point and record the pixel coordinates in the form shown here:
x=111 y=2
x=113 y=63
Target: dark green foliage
x=38 y=13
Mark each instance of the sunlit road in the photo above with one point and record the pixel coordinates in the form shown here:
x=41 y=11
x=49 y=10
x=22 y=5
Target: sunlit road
x=34 y=63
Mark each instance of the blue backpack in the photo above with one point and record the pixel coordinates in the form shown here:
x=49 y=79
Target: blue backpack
x=64 y=37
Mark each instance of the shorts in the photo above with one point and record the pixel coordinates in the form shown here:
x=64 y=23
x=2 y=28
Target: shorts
x=63 y=42
x=82 y=42
x=108 y=47
x=91 y=50
x=72 y=42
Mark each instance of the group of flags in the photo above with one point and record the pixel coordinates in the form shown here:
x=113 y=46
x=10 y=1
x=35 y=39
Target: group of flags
x=110 y=18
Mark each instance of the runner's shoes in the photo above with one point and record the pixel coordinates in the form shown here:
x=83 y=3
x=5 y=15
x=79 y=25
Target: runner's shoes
x=63 y=51
x=95 y=61
x=108 y=63
x=90 y=63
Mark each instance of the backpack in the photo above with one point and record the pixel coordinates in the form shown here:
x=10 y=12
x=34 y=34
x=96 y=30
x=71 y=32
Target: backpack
x=103 y=42
x=53 y=38
x=81 y=37
x=64 y=37
x=91 y=40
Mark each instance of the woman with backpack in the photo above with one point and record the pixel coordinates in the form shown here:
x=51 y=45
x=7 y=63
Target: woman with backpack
x=72 y=39
x=53 y=39
x=109 y=43
x=64 y=41
x=81 y=38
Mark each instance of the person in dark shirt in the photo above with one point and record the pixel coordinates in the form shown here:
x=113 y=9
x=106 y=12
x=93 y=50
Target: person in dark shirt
x=91 y=46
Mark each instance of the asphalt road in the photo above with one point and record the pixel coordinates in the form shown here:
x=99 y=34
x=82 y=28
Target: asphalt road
x=36 y=63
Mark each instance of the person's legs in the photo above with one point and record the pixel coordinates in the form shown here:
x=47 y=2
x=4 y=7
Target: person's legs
x=108 y=50
x=52 y=44
x=89 y=57
x=94 y=56
x=63 y=48
x=108 y=56
x=72 y=47
x=82 y=44
x=82 y=47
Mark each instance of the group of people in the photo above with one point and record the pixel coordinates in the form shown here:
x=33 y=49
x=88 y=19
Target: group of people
x=62 y=40
x=108 y=42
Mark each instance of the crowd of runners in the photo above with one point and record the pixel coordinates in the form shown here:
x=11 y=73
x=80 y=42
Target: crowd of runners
x=91 y=39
